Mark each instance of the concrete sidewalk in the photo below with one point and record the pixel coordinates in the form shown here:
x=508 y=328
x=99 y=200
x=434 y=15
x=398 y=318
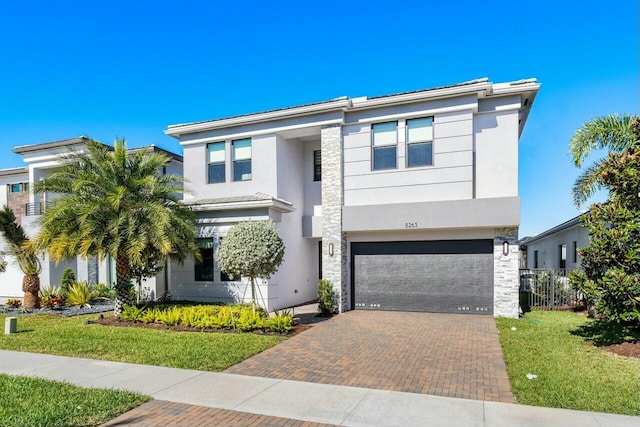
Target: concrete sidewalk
x=320 y=403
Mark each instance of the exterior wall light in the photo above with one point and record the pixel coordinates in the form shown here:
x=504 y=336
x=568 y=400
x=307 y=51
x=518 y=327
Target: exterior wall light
x=505 y=248
x=330 y=249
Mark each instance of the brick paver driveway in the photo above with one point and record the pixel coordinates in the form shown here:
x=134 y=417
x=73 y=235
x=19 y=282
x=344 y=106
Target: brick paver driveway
x=452 y=355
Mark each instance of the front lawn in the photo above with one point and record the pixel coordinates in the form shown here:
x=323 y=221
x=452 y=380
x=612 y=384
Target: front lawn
x=37 y=402
x=72 y=336
x=571 y=372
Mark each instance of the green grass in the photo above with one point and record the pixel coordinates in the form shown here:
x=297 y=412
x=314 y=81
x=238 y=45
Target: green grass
x=37 y=402
x=572 y=373
x=71 y=336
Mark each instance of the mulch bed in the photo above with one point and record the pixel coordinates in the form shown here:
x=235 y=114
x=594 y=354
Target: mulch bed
x=628 y=349
x=112 y=321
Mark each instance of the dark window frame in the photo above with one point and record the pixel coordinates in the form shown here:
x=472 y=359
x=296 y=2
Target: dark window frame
x=223 y=163
x=202 y=268
x=426 y=142
x=575 y=252
x=383 y=148
x=562 y=262
x=241 y=161
x=317 y=165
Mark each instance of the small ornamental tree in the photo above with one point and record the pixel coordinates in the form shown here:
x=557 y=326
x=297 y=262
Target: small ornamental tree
x=68 y=278
x=251 y=249
x=610 y=279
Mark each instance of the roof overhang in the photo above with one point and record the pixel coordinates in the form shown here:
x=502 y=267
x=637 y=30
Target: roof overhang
x=204 y=205
x=482 y=88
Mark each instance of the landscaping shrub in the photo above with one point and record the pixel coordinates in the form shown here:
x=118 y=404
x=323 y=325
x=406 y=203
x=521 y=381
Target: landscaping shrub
x=250 y=320
x=68 y=279
x=326 y=306
x=14 y=302
x=132 y=313
x=103 y=292
x=79 y=295
x=282 y=322
x=169 y=317
x=52 y=297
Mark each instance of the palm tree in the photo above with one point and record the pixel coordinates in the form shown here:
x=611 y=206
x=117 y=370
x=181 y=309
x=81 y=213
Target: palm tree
x=612 y=132
x=27 y=260
x=110 y=202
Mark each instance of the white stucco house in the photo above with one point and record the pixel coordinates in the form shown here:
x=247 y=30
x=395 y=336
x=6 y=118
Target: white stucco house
x=406 y=201
x=557 y=247
x=15 y=184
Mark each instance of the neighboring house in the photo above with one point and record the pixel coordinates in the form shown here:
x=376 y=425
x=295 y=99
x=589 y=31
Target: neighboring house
x=41 y=160
x=404 y=202
x=556 y=248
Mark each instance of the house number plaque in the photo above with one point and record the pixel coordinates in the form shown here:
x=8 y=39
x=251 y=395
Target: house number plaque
x=410 y=225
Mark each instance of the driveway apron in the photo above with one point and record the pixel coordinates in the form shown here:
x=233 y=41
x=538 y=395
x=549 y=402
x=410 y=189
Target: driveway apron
x=453 y=355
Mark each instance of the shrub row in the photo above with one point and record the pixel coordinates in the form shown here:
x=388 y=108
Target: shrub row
x=238 y=316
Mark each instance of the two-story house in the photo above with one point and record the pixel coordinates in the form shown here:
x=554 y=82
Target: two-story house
x=404 y=202
x=15 y=184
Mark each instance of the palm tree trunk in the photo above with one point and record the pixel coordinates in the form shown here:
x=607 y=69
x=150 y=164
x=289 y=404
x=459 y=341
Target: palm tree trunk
x=31 y=288
x=123 y=284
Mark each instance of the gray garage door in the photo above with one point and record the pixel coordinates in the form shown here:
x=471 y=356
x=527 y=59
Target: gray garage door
x=450 y=276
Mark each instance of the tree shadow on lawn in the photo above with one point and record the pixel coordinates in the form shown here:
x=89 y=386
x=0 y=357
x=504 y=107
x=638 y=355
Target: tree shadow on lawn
x=604 y=333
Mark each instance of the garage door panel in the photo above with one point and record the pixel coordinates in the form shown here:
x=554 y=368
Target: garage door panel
x=436 y=282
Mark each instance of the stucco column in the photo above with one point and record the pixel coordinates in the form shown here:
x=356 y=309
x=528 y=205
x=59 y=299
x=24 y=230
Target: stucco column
x=505 y=273
x=334 y=242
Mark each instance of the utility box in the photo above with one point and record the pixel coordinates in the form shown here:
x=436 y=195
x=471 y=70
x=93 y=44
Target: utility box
x=10 y=325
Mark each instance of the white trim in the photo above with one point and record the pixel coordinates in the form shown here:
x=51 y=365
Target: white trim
x=278 y=205
x=266 y=131
x=181 y=129
x=473 y=107
x=234 y=219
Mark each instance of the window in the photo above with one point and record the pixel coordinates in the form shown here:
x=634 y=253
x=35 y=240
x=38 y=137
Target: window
x=216 y=161
x=384 y=141
x=16 y=188
x=562 y=252
x=242 y=159
x=317 y=165
x=575 y=252
x=224 y=277
x=204 y=268
x=420 y=142
x=535 y=259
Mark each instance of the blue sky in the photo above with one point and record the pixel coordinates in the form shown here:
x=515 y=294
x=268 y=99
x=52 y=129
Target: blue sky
x=130 y=69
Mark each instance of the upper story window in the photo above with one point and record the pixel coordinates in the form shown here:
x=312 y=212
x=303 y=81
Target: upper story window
x=216 y=161
x=384 y=141
x=242 y=159
x=317 y=165
x=420 y=142
x=19 y=188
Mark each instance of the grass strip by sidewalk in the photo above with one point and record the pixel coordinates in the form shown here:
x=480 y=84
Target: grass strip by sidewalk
x=72 y=336
x=36 y=402
x=571 y=372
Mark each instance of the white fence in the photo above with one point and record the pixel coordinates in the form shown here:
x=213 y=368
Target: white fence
x=547 y=289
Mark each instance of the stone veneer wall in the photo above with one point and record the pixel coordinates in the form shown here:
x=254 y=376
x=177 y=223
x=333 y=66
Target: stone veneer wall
x=505 y=273
x=334 y=268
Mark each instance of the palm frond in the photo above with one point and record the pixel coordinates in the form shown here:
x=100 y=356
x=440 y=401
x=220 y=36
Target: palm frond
x=613 y=132
x=588 y=183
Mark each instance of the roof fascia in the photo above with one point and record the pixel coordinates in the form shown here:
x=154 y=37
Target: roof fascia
x=177 y=130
